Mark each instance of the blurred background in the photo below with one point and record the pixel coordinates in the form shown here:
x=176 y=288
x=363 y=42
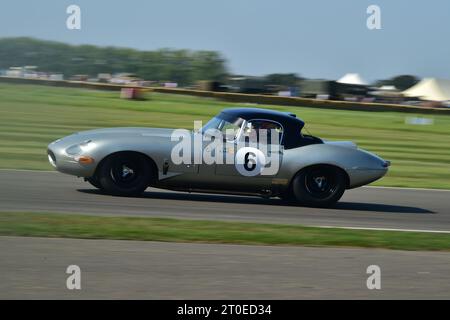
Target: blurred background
x=169 y=63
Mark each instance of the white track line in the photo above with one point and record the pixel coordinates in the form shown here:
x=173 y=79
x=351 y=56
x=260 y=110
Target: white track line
x=385 y=229
x=405 y=188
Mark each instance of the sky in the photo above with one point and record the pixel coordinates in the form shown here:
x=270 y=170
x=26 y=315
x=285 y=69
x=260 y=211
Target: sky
x=314 y=38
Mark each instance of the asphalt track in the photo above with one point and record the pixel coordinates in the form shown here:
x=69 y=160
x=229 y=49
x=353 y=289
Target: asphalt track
x=35 y=268
x=406 y=209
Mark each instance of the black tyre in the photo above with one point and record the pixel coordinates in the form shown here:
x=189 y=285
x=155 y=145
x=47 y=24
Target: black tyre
x=320 y=186
x=287 y=196
x=94 y=181
x=125 y=174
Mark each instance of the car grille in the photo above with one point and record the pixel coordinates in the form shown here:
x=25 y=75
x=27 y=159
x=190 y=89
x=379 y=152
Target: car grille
x=51 y=158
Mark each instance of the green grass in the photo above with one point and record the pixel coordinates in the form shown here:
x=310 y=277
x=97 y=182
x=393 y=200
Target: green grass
x=32 y=116
x=173 y=230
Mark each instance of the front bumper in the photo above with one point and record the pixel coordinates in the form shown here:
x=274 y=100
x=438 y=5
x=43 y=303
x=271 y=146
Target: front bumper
x=69 y=164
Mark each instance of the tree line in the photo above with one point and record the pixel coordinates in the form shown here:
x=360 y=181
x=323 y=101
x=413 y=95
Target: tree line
x=182 y=66
x=185 y=67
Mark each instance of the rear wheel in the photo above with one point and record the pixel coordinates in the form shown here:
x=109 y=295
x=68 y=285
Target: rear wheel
x=287 y=196
x=125 y=174
x=320 y=186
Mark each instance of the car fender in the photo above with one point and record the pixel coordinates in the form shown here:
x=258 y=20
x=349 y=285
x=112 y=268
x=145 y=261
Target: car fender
x=359 y=165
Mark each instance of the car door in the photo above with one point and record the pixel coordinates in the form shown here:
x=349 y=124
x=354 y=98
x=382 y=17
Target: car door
x=256 y=156
x=207 y=178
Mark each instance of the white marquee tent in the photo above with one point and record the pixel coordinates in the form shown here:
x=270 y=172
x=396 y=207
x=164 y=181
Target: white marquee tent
x=430 y=89
x=352 y=78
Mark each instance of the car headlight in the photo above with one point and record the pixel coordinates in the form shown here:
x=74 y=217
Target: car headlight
x=78 y=148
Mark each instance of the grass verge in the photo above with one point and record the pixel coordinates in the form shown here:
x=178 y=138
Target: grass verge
x=175 y=230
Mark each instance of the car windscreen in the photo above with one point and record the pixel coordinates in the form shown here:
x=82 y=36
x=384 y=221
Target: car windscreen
x=228 y=125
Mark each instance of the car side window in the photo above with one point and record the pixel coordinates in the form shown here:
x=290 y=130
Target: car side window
x=262 y=131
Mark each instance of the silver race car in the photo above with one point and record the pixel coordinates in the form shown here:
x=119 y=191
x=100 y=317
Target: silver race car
x=287 y=163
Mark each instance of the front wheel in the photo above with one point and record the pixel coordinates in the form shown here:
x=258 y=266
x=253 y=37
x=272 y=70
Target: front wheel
x=94 y=182
x=125 y=174
x=320 y=186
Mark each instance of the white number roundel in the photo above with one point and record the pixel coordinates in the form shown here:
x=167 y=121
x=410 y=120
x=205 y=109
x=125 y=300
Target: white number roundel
x=250 y=161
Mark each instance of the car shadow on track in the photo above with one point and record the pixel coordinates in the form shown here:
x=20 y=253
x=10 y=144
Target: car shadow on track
x=345 y=206
x=362 y=206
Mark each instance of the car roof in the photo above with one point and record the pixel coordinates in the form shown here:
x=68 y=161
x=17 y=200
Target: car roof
x=285 y=118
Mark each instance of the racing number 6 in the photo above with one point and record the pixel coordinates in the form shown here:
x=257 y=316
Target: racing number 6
x=251 y=161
